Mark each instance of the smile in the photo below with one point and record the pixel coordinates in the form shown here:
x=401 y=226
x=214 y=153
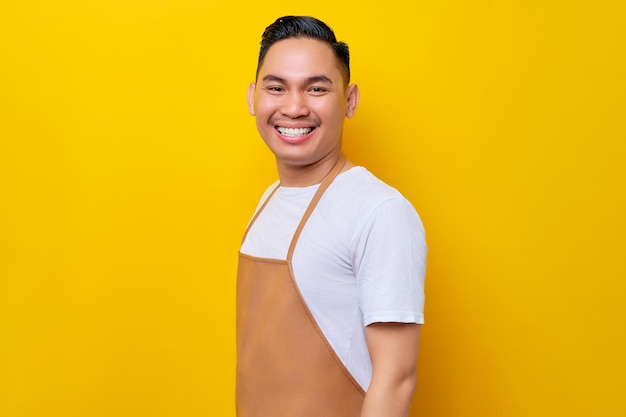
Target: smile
x=294 y=132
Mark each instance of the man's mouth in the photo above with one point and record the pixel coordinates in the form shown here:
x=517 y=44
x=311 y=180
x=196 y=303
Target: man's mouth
x=294 y=132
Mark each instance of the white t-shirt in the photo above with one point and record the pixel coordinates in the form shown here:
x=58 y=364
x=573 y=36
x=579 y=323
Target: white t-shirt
x=360 y=259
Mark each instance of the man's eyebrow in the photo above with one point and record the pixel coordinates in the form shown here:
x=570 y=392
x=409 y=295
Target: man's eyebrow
x=311 y=80
x=319 y=79
x=273 y=78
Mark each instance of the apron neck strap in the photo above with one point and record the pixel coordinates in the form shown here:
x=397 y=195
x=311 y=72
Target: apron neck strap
x=328 y=179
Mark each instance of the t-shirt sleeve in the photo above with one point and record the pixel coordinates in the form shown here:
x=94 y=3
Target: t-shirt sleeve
x=389 y=261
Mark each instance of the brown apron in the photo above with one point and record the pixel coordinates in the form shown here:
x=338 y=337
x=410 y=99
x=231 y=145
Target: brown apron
x=285 y=365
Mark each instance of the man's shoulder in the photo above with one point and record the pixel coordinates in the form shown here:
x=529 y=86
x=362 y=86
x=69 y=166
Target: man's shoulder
x=357 y=194
x=360 y=185
x=358 y=199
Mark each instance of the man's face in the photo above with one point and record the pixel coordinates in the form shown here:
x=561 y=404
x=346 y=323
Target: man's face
x=300 y=101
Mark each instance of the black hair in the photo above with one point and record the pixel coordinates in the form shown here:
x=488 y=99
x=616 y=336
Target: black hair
x=305 y=27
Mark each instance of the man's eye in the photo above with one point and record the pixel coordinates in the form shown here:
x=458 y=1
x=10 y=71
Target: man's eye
x=274 y=89
x=318 y=90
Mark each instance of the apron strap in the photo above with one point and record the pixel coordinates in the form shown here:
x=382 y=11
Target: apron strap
x=269 y=197
x=328 y=179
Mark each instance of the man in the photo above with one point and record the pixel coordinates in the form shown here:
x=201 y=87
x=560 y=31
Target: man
x=331 y=269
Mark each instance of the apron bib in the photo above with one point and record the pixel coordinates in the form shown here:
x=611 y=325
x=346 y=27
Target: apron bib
x=285 y=365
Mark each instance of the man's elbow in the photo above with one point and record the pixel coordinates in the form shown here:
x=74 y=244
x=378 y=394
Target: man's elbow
x=408 y=383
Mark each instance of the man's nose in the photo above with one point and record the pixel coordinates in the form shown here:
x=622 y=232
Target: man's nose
x=295 y=105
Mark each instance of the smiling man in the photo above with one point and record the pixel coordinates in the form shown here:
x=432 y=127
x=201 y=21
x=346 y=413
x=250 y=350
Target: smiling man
x=331 y=269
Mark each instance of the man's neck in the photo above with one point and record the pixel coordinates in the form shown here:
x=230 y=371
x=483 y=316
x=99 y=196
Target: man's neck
x=303 y=176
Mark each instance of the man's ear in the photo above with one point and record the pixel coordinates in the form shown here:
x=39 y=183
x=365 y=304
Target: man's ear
x=251 y=89
x=352 y=98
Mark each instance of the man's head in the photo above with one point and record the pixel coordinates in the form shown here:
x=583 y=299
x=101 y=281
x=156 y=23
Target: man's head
x=305 y=27
x=301 y=95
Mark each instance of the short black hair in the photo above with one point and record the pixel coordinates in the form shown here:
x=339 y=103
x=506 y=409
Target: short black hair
x=305 y=27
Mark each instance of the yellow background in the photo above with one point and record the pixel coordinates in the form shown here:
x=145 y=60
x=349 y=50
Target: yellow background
x=129 y=167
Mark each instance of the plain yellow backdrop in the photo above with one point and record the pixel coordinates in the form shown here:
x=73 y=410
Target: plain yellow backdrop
x=129 y=167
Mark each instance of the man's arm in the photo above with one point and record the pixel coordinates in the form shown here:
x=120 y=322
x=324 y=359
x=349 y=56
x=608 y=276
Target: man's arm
x=393 y=350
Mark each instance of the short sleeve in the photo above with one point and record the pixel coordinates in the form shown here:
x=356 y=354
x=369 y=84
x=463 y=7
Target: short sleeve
x=389 y=258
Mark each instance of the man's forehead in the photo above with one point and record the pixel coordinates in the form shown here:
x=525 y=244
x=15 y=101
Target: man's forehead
x=305 y=56
x=299 y=47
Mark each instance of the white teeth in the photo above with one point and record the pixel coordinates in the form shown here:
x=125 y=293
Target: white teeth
x=294 y=132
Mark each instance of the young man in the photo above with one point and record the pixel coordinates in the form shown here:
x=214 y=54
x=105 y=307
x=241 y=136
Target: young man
x=331 y=269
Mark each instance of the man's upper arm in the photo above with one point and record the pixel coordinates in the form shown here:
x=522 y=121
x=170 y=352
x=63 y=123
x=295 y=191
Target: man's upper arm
x=393 y=349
